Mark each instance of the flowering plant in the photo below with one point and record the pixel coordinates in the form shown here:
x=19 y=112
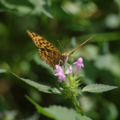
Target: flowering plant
x=71 y=88
x=70 y=83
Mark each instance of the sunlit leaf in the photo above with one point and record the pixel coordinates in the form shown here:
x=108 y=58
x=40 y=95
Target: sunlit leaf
x=58 y=112
x=22 y=7
x=47 y=13
x=118 y=2
x=2 y=70
x=38 y=8
x=62 y=113
x=80 y=118
x=97 y=88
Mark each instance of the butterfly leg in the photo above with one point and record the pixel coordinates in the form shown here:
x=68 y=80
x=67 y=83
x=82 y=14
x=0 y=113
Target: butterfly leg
x=60 y=61
x=64 y=68
x=67 y=64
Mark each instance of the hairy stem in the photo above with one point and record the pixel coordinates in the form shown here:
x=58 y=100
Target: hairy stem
x=78 y=107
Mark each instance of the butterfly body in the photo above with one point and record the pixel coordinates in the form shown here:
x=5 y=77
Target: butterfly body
x=49 y=53
x=64 y=58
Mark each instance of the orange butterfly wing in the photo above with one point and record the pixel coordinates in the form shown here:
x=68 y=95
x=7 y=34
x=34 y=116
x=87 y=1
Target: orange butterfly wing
x=47 y=51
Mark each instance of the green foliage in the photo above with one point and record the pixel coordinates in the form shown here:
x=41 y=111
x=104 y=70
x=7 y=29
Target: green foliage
x=72 y=22
x=118 y=2
x=2 y=70
x=23 y=7
x=58 y=112
x=80 y=118
x=110 y=107
x=78 y=91
x=40 y=87
x=68 y=93
x=40 y=109
x=97 y=88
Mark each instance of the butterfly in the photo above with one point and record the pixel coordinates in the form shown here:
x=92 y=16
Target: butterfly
x=48 y=52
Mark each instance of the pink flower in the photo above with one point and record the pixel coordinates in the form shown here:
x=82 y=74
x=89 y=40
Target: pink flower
x=59 y=73
x=79 y=64
x=59 y=70
x=69 y=71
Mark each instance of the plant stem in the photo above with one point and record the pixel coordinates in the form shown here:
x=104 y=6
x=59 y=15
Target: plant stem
x=78 y=108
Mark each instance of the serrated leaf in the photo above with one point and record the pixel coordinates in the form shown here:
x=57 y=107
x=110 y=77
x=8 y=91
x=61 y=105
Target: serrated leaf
x=62 y=113
x=97 y=88
x=40 y=87
x=58 y=112
x=39 y=108
x=80 y=117
x=2 y=70
x=78 y=91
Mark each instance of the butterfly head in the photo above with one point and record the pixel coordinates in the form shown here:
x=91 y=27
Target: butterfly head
x=65 y=54
x=64 y=58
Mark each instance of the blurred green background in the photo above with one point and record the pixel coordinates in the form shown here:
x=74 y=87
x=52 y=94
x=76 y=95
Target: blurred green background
x=72 y=22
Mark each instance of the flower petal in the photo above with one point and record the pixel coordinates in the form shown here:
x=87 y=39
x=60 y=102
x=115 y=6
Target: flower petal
x=75 y=63
x=69 y=71
x=56 y=73
x=82 y=65
x=61 y=77
x=80 y=60
x=59 y=80
x=79 y=64
x=59 y=69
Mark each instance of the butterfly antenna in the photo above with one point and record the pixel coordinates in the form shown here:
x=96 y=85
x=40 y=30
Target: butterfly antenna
x=80 y=45
x=61 y=45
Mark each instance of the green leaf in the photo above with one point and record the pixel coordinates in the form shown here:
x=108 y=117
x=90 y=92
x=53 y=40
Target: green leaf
x=2 y=8
x=62 y=113
x=2 y=70
x=78 y=91
x=38 y=4
x=40 y=87
x=58 y=112
x=23 y=7
x=78 y=77
x=97 y=88
x=46 y=13
x=35 y=116
x=80 y=118
x=110 y=109
x=100 y=37
x=19 y=7
x=39 y=108
x=118 y=2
